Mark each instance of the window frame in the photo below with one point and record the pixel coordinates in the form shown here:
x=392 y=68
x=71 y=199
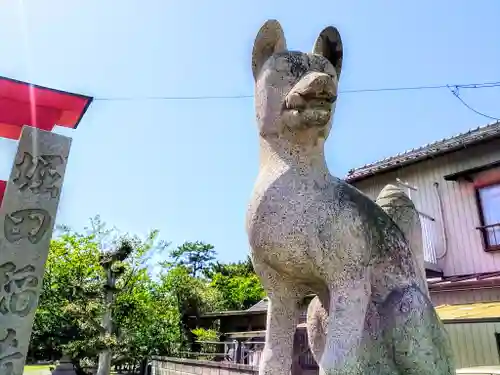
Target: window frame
x=483 y=226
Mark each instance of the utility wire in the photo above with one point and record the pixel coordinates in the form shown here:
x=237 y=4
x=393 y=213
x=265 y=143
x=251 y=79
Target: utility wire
x=208 y=97
x=456 y=94
x=465 y=86
x=173 y=98
x=454 y=89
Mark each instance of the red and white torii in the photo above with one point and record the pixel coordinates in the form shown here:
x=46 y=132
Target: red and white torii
x=23 y=103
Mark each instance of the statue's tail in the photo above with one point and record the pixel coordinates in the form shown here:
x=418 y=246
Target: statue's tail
x=317 y=325
x=402 y=211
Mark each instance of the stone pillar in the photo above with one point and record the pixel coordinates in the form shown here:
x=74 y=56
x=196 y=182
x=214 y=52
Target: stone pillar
x=27 y=219
x=65 y=367
x=104 y=364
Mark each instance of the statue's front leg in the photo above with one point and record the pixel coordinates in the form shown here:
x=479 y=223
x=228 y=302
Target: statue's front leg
x=282 y=319
x=349 y=300
x=281 y=325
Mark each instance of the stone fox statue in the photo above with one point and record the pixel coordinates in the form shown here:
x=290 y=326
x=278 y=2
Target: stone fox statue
x=311 y=232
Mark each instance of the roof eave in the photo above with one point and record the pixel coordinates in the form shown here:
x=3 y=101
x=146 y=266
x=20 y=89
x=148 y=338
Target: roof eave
x=405 y=163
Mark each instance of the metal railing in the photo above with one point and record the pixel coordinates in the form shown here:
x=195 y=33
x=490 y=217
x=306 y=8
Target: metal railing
x=491 y=236
x=248 y=352
x=220 y=351
x=251 y=352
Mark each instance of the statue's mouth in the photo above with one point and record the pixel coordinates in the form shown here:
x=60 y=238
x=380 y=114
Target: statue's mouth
x=309 y=101
x=308 y=111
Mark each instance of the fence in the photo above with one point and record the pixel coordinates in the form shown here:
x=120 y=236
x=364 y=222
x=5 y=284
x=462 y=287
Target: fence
x=182 y=366
x=249 y=352
x=220 y=351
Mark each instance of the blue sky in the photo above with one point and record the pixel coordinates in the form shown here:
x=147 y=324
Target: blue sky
x=187 y=167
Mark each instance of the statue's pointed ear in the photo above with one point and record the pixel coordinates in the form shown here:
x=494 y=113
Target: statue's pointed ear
x=270 y=39
x=329 y=45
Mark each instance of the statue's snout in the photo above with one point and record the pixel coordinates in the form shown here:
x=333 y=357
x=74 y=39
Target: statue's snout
x=315 y=85
x=314 y=89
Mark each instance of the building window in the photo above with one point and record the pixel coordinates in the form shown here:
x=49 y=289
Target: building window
x=489 y=208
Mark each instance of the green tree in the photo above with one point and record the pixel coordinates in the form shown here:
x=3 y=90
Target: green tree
x=242 y=268
x=195 y=256
x=182 y=282
x=72 y=302
x=238 y=292
x=191 y=297
x=148 y=323
x=149 y=315
x=71 y=276
x=237 y=283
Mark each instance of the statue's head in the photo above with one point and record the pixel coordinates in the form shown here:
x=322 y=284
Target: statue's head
x=295 y=92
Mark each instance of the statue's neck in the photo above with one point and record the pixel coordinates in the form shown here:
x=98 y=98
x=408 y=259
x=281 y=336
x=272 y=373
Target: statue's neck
x=308 y=157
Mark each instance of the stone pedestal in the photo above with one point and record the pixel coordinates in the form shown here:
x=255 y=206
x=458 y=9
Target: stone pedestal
x=27 y=218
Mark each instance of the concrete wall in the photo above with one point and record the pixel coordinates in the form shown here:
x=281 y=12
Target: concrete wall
x=180 y=366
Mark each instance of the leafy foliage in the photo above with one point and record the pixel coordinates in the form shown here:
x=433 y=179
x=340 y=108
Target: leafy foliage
x=209 y=337
x=151 y=315
x=195 y=256
x=237 y=283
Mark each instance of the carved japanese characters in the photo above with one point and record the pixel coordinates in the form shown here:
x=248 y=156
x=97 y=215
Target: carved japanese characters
x=18 y=289
x=9 y=352
x=39 y=174
x=31 y=224
x=311 y=232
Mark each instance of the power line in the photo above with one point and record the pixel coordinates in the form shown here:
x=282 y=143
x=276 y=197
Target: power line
x=464 y=86
x=174 y=98
x=355 y=91
x=456 y=94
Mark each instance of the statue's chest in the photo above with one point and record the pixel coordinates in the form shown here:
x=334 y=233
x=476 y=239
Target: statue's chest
x=290 y=210
x=309 y=225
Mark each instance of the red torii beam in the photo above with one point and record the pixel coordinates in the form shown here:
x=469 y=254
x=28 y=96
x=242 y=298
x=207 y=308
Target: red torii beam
x=23 y=103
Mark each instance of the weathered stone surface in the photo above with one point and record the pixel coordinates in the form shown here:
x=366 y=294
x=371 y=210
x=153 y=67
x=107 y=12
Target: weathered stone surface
x=27 y=218
x=311 y=232
x=402 y=211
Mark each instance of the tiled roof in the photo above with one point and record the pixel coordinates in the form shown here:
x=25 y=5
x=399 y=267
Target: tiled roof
x=264 y=302
x=457 y=142
x=471 y=311
x=259 y=306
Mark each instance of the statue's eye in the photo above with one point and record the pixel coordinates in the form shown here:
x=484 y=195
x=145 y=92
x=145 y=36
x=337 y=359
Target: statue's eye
x=282 y=65
x=321 y=64
x=330 y=70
